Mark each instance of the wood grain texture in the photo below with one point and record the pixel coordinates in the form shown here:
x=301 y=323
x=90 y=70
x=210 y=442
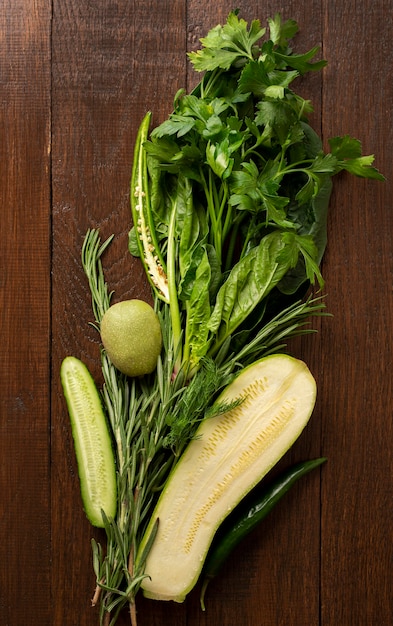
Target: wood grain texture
x=110 y=65
x=76 y=77
x=25 y=311
x=357 y=552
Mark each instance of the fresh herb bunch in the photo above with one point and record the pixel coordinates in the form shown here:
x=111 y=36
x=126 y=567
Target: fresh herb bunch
x=230 y=193
x=229 y=199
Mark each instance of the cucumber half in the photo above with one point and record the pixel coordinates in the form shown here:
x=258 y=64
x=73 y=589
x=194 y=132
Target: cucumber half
x=229 y=456
x=92 y=441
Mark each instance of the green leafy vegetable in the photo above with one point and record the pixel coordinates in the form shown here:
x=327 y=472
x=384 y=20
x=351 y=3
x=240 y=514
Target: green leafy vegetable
x=228 y=44
x=237 y=166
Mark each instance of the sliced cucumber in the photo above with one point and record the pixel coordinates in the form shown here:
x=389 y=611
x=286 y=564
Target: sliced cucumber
x=230 y=455
x=93 y=446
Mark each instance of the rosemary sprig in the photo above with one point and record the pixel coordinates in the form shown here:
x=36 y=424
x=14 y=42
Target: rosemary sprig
x=138 y=426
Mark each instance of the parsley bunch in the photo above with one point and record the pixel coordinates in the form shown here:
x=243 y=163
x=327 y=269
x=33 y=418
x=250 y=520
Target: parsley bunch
x=233 y=190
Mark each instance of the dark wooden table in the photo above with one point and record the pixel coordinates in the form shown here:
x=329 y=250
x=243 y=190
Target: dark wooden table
x=76 y=78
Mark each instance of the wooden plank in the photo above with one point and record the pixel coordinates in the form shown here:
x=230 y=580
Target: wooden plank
x=112 y=62
x=269 y=576
x=357 y=390
x=25 y=311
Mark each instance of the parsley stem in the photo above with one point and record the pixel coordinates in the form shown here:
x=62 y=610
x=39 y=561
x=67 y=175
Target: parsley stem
x=209 y=193
x=228 y=222
x=210 y=86
x=292 y=168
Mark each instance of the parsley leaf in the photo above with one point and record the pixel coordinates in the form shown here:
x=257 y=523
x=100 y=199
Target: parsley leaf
x=259 y=81
x=348 y=152
x=279 y=115
x=224 y=45
x=281 y=32
x=301 y=62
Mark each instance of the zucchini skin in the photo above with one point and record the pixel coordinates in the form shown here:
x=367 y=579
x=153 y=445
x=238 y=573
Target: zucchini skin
x=245 y=519
x=92 y=442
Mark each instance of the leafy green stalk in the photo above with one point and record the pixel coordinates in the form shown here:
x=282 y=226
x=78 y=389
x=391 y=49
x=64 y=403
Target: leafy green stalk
x=172 y=290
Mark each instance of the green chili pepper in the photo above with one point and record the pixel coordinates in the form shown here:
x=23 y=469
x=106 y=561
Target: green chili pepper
x=243 y=521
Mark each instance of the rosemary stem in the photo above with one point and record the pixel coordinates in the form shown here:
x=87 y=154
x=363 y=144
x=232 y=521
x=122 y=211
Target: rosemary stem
x=133 y=613
x=96 y=596
x=132 y=604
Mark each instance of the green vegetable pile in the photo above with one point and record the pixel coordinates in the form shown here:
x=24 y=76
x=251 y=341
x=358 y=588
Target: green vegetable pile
x=229 y=200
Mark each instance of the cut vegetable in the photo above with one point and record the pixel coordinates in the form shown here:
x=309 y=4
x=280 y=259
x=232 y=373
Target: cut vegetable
x=229 y=455
x=93 y=446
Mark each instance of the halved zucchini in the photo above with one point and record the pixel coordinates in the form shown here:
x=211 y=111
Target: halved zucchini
x=229 y=456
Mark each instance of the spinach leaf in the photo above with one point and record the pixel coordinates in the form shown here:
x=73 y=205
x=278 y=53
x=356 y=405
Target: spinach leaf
x=249 y=281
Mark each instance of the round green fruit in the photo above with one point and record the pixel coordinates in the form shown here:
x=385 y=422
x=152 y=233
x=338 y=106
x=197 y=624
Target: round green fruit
x=131 y=335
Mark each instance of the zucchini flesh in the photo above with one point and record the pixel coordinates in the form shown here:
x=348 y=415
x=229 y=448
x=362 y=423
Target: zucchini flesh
x=229 y=456
x=92 y=441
